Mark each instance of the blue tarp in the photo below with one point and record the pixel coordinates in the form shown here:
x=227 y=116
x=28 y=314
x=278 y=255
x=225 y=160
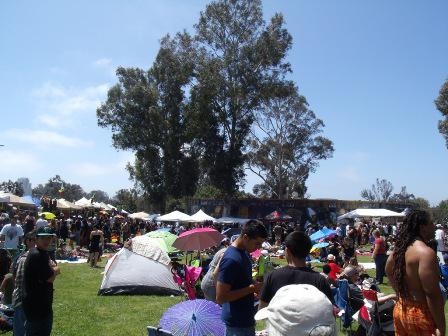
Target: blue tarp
x=35 y=200
x=323 y=233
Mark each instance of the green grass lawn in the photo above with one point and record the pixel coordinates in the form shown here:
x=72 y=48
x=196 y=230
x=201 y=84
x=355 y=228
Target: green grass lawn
x=78 y=310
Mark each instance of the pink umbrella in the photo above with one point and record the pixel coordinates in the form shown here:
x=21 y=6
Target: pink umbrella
x=198 y=239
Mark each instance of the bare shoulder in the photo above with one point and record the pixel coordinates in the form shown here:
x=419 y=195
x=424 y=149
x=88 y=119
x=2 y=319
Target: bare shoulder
x=423 y=251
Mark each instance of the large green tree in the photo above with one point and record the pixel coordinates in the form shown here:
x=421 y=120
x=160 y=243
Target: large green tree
x=145 y=112
x=442 y=106
x=56 y=187
x=240 y=58
x=286 y=145
x=126 y=199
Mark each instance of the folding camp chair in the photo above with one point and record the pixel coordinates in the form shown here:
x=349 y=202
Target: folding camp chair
x=152 y=331
x=376 y=319
x=342 y=299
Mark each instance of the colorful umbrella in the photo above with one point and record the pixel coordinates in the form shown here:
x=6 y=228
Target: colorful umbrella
x=164 y=239
x=323 y=233
x=48 y=215
x=198 y=239
x=194 y=318
x=320 y=245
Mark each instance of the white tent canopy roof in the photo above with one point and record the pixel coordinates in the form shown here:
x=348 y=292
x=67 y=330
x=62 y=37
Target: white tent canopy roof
x=371 y=213
x=175 y=216
x=230 y=220
x=84 y=202
x=6 y=197
x=201 y=216
x=64 y=204
x=139 y=215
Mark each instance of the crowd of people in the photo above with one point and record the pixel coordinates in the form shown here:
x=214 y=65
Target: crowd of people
x=410 y=253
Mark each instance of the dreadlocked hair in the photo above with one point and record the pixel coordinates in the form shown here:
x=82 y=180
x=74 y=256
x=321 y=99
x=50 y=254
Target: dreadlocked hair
x=407 y=233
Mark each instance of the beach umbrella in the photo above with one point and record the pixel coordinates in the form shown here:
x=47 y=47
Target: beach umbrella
x=198 y=239
x=164 y=239
x=194 y=318
x=323 y=233
x=320 y=245
x=48 y=215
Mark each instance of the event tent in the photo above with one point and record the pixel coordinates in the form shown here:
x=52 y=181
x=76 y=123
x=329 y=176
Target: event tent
x=358 y=213
x=231 y=220
x=84 y=202
x=6 y=197
x=175 y=216
x=201 y=216
x=143 y=270
x=66 y=205
x=139 y=215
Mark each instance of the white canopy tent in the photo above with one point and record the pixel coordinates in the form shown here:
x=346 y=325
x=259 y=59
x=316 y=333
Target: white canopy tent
x=201 y=216
x=64 y=204
x=84 y=203
x=358 y=213
x=6 y=197
x=139 y=215
x=231 y=220
x=175 y=216
x=111 y=206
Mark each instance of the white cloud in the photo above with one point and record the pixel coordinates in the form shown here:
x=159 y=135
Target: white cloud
x=103 y=62
x=17 y=163
x=93 y=169
x=60 y=106
x=41 y=138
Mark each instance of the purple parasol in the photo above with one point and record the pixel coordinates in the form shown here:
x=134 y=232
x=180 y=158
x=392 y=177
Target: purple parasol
x=194 y=318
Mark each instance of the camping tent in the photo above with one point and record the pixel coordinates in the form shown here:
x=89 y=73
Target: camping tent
x=201 y=216
x=175 y=216
x=143 y=271
x=15 y=200
x=371 y=213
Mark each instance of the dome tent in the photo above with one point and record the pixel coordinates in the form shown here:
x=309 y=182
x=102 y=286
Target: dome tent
x=144 y=270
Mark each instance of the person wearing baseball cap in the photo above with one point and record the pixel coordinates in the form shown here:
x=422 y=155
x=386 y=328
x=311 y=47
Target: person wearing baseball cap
x=40 y=273
x=299 y=310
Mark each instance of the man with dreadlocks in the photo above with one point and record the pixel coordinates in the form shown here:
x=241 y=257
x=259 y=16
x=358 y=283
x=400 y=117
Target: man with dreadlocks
x=413 y=272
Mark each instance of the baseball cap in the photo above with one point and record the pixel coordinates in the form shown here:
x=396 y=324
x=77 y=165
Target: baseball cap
x=330 y=257
x=349 y=271
x=300 y=310
x=45 y=231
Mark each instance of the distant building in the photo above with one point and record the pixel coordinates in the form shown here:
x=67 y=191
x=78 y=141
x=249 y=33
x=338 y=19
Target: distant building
x=26 y=185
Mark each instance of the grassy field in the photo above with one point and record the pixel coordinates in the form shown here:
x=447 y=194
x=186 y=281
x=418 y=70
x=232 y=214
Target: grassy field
x=78 y=310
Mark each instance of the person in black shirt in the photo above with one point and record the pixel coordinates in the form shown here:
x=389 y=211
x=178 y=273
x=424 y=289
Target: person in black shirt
x=298 y=246
x=38 y=279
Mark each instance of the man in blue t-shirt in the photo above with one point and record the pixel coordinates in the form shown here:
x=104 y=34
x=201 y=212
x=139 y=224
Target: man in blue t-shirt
x=235 y=288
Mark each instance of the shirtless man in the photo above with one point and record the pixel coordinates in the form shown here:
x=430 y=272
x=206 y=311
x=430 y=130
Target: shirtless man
x=413 y=272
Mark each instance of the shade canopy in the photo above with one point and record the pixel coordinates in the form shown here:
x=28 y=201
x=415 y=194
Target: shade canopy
x=6 y=197
x=371 y=213
x=63 y=204
x=84 y=202
x=175 y=216
x=323 y=233
x=201 y=216
x=139 y=215
x=231 y=220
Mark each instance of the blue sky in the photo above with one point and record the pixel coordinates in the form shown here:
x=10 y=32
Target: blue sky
x=370 y=69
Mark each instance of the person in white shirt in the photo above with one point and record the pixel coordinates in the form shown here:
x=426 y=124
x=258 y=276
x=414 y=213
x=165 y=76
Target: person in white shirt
x=41 y=222
x=11 y=234
x=440 y=238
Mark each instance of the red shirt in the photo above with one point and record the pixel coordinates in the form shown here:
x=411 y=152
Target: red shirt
x=335 y=269
x=381 y=246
